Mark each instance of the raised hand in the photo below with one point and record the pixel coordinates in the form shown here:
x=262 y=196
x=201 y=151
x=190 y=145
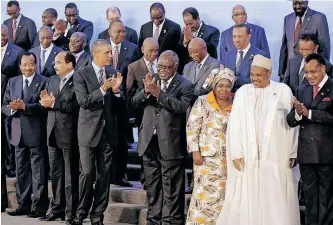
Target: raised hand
x=119 y=80
x=48 y=102
x=147 y=81
x=298 y=106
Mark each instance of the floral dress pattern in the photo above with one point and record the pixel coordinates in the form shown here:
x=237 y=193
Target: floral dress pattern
x=206 y=129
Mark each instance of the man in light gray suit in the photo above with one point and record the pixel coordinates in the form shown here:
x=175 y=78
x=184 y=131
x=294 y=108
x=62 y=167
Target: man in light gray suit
x=45 y=52
x=100 y=100
x=162 y=139
x=295 y=23
x=22 y=30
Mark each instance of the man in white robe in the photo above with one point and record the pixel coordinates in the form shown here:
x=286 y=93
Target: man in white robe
x=261 y=152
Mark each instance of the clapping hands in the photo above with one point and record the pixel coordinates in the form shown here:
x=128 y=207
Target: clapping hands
x=151 y=87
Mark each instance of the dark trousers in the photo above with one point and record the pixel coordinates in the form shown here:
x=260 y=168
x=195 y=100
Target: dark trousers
x=31 y=178
x=7 y=147
x=101 y=157
x=64 y=179
x=165 y=186
x=119 y=162
x=4 y=196
x=317 y=183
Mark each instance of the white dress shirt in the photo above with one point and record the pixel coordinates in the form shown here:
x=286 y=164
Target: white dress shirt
x=3 y=51
x=29 y=80
x=77 y=55
x=297 y=18
x=18 y=19
x=245 y=50
x=302 y=65
x=154 y=64
x=68 y=76
x=47 y=53
x=159 y=27
x=113 y=45
x=203 y=61
x=320 y=85
x=195 y=33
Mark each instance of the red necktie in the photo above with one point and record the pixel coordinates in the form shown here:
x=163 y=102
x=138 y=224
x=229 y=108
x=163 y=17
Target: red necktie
x=14 y=29
x=315 y=91
x=298 y=29
x=115 y=57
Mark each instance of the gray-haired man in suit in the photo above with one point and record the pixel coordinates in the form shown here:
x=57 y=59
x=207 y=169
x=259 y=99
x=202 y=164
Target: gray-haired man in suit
x=21 y=103
x=100 y=100
x=22 y=30
x=77 y=44
x=297 y=22
x=162 y=139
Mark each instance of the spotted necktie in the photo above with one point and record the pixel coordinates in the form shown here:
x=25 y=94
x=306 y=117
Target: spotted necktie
x=165 y=86
x=157 y=33
x=115 y=57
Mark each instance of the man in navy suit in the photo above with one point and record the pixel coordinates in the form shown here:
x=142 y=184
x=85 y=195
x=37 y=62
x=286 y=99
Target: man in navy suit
x=240 y=59
x=113 y=13
x=22 y=30
x=46 y=52
x=123 y=54
x=77 y=44
x=313 y=112
x=194 y=27
x=295 y=76
x=303 y=18
x=10 y=54
x=166 y=32
x=74 y=23
x=258 y=35
x=28 y=123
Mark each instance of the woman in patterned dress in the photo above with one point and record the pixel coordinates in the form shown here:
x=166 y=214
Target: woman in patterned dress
x=206 y=129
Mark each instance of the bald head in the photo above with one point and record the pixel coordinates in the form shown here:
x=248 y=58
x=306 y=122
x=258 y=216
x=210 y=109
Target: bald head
x=113 y=13
x=77 y=42
x=45 y=36
x=239 y=14
x=4 y=35
x=197 y=49
x=150 y=49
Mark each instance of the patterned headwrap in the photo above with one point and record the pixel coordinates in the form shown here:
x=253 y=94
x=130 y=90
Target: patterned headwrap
x=224 y=73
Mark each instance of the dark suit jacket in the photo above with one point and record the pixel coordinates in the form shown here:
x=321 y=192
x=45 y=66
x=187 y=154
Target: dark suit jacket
x=131 y=35
x=168 y=116
x=10 y=64
x=169 y=36
x=48 y=69
x=209 y=34
x=258 y=40
x=292 y=73
x=84 y=60
x=315 y=141
x=27 y=126
x=62 y=118
x=243 y=74
x=83 y=26
x=25 y=32
x=129 y=53
x=313 y=21
x=95 y=110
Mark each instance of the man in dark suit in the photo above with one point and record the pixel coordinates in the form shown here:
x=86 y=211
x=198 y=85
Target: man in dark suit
x=113 y=13
x=21 y=103
x=307 y=44
x=123 y=53
x=162 y=139
x=313 y=112
x=10 y=54
x=49 y=18
x=74 y=23
x=194 y=27
x=166 y=32
x=295 y=23
x=22 y=30
x=239 y=60
x=99 y=97
x=258 y=36
x=63 y=111
x=77 y=44
x=46 y=52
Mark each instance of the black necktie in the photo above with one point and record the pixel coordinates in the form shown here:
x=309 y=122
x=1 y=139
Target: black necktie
x=240 y=59
x=25 y=89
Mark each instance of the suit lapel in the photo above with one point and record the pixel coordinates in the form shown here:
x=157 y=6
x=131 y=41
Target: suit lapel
x=50 y=59
x=68 y=84
x=32 y=88
x=290 y=29
x=247 y=59
x=203 y=69
x=295 y=71
x=164 y=31
x=93 y=77
x=20 y=25
x=6 y=56
x=143 y=67
x=202 y=30
x=323 y=93
x=81 y=60
x=18 y=87
x=192 y=71
x=173 y=84
x=122 y=53
x=38 y=59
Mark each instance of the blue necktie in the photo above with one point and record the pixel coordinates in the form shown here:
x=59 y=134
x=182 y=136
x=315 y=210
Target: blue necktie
x=42 y=60
x=25 y=89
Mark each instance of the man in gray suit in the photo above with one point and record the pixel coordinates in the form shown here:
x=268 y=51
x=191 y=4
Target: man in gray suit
x=100 y=100
x=21 y=103
x=295 y=23
x=45 y=52
x=77 y=44
x=22 y=30
x=162 y=139
x=295 y=76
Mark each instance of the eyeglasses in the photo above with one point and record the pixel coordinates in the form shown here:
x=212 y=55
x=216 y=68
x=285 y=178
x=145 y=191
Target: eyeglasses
x=72 y=15
x=161 y=67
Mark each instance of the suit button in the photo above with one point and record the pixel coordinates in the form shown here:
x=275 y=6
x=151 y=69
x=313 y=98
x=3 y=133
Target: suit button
x=311 y=139
x=157 y=114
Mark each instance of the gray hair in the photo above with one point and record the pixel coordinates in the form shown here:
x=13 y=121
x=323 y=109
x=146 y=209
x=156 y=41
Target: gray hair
x=81 y=35
x=3 y=26
x=96 y=44
x=172 y=54
x=113 y=9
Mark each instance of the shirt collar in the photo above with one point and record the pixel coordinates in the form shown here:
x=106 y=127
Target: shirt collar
x=114 y=45
x=77 y=55
x=97 y=68
x=18 y=19
x=147 y=62
x=48 y=49
x=28 y=78
x=159 y=26
x=321 y=84
x=196 y=32
x=4 y=48
x=245 y=50
x=68 y=76
x=170 y=80
x=204 y=60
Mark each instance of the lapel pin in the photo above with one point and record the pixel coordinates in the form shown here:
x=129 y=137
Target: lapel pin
x=70 y=84
x=19 y=26
x=37 y=85
x=164 y=31
x=124 y=48
x=322 y=93
x=308 y=18
x=7 y=53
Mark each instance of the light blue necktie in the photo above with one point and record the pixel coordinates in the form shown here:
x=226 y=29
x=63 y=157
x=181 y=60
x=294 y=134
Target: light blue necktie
x=42 y=60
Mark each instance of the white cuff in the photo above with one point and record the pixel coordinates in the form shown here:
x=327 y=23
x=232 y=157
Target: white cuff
x=12 y=111
x=298 y=117
x=103 y=92
x=310 y=114
x=117 y=95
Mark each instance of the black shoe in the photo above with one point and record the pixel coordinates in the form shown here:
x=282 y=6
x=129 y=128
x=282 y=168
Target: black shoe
x=11 y=173
x=53 y=217
x=77 y=221
x=34 y=214
x=19 y=212
x=123 y=183
x=98 y=223
x=69 y=221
